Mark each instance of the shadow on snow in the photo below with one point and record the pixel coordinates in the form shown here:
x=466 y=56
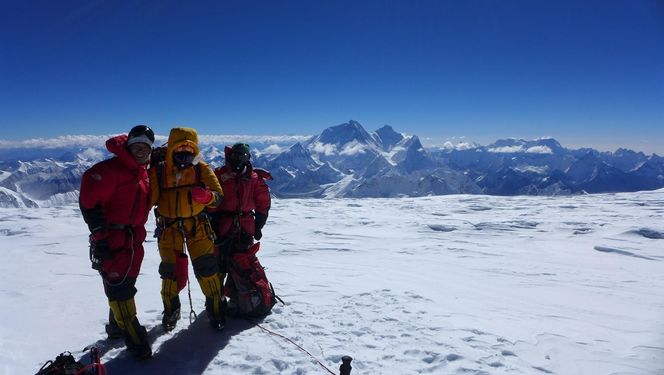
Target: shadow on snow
x=189 y=351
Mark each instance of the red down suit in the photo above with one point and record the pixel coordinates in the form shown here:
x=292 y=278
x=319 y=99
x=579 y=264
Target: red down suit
x=246 y=196
x=114 y=198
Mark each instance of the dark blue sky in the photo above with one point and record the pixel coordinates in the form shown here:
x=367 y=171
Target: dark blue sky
x=588 y=73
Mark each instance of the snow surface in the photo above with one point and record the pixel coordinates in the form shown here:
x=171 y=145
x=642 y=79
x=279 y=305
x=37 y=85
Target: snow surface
x=434 y=285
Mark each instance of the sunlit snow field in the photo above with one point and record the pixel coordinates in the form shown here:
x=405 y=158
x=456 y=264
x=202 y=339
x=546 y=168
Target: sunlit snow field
x=436 y=285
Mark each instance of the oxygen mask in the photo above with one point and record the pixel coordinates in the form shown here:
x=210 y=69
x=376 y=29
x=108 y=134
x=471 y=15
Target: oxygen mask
x=239 y=161
x=183 y=159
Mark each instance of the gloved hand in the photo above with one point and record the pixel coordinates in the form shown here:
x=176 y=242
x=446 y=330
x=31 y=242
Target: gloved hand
x=200 y=195
x=259 y=223
x=99 y=251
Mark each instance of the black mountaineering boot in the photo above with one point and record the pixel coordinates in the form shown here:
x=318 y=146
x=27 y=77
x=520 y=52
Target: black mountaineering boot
x=218 y=324
x=136 y=339
x=216 y=316
x=112 y=329
x=170 y=319
x=171 y=315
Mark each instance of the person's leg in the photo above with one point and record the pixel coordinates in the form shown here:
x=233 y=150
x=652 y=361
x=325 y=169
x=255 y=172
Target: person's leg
x=112 y=329
x=134 y=333
x=170 y=244
x=206 y=269
x=120 y=273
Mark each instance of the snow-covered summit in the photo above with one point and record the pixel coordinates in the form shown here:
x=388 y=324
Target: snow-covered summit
x=388 y=138
x=344 y=134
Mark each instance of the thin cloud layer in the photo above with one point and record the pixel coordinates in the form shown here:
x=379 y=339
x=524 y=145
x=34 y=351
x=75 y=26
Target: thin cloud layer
x=96 y=140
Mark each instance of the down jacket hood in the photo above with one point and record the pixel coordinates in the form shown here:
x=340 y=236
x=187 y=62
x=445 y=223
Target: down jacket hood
x=178 y=137
x=118 y=147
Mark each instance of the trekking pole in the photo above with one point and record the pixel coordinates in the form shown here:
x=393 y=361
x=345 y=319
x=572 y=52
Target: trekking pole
x=345 y=367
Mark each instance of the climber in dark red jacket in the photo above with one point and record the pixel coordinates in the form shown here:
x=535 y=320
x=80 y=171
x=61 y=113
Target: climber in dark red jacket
x=240 y=218
x=115 y=203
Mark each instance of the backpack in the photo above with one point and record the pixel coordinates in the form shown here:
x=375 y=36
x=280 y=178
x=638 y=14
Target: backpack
x=66 y=364
x=248 y=285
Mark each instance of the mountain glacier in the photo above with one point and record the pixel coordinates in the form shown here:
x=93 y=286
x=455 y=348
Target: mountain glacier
x=347 y=161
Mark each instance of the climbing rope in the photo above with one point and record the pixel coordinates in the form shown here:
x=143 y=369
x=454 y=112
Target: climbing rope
x=294 y=343
x=131 y=263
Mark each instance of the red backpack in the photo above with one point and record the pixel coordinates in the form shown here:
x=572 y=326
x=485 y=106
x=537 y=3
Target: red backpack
x=66 y=364
x=247 y=284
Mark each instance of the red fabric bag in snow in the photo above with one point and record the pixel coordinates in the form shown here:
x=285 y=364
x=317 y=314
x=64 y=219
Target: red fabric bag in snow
x=248 y=285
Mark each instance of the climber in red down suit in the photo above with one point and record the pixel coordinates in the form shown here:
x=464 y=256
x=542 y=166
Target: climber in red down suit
x=115 y=203
x=240 y=218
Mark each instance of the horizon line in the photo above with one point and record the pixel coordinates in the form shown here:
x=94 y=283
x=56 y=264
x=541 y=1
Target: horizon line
x=92 y=140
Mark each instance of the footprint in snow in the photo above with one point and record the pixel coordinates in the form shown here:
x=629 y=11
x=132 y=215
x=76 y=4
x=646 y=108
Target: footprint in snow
x=453 y=357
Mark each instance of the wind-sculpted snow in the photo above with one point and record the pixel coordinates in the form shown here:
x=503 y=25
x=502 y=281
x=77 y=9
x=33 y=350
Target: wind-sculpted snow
x=456 y=284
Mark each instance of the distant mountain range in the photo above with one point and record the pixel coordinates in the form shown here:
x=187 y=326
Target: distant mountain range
x=347 y=161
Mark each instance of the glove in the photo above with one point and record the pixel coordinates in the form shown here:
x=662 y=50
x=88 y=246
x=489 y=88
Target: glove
x=259 y=223
x=99 y=251
x=200 y=195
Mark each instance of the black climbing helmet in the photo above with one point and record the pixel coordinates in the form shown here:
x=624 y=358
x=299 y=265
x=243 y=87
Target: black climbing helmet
x=240 y=155
x=140 y=134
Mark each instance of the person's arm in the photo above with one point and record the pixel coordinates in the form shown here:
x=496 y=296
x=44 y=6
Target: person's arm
x=262 y=201
x=97 y=187
x=212 y=194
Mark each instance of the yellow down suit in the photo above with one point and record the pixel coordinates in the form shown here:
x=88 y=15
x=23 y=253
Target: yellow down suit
x=180 y=220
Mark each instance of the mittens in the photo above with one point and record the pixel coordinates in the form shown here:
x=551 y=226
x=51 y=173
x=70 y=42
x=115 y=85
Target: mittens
x=259 y=223
x=201 y=195
x=258 y=234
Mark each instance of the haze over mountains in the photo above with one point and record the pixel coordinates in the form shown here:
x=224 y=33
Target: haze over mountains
x=348 y=161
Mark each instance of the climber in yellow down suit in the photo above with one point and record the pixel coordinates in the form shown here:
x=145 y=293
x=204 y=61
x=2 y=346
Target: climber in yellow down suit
x=182 y=186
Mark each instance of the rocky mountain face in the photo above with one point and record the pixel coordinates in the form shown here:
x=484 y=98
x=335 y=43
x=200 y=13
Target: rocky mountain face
x=348 y=161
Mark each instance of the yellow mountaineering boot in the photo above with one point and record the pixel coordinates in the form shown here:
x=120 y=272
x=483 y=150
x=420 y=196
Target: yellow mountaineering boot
x=135 y=335
x=171 y=300
x=215 y=305
x=112 y=329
